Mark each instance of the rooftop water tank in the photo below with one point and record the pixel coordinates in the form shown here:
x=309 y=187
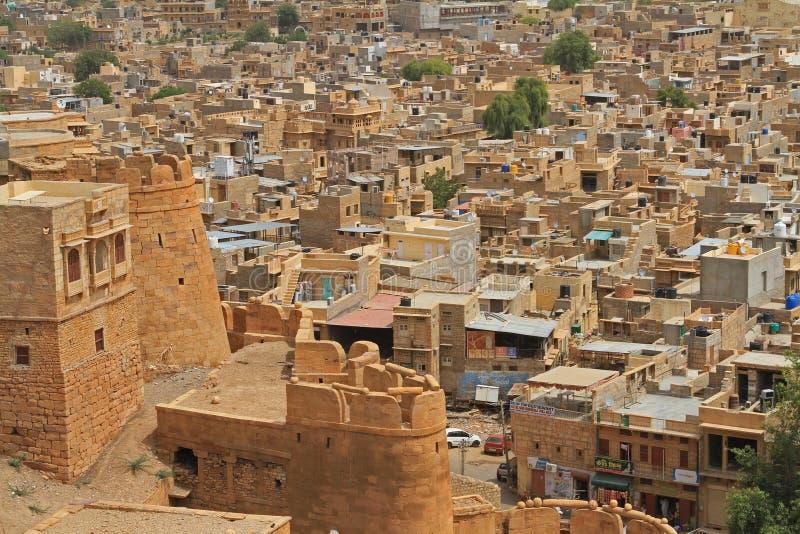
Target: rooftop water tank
x=779 y=230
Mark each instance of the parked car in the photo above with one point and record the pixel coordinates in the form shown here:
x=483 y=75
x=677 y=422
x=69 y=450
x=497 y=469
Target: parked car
x=456 y=436
x=495 y=444
x=506 y=470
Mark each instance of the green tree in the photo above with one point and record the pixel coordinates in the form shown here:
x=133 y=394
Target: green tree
x=572 y=51
x=414 y=70
x=89 y=62
x=676 y=96
x=529 y=20
x=505 y=115
x=75 y=3
x=108 y=4
x=94 y=88
x=165 y=91
x=258 y=33
x=442 y=188
x=288 y=17
x=767 y=498
x=221 y=4
x=534 y=91
x=7 y=21
x=561 y=5
x=68 y=34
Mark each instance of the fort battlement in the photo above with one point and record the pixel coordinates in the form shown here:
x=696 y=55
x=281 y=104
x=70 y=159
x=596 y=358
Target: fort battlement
x=370 y=446
x=179 y=315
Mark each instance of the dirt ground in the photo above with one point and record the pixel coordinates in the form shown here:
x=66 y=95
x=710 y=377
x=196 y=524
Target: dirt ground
x=110 y=478
x=251 y=384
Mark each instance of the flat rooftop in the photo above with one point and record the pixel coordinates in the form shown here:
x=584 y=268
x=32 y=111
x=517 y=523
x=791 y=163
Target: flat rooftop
x=112 y=517
x=251 y=384
x=762 y=359
x=427 y=299
x=28 y=116
x=664 y=407
x=572 y=378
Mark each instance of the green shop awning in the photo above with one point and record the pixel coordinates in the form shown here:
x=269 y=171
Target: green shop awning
x=599 y=235
x=614 y=482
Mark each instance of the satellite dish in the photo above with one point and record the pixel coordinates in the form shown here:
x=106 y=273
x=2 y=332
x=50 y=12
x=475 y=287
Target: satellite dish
x=210 y=200
x=692 y=195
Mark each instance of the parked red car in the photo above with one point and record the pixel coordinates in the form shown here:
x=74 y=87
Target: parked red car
x=495 y=444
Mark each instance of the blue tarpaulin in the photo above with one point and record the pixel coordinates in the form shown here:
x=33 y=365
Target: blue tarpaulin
x=599 y=235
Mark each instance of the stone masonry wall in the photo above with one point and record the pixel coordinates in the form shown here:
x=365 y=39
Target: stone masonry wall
x=464 y=485
x=179 y=309
x=61 y=412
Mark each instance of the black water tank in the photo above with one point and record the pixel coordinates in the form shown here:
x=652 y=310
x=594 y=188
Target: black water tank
x=743 y=179
x=563 y=291
x=712 y=115
x=671 y=293
x=755 y=345
x=661 y=292
x=306 y=249
x=628 y=183
x=766 y=317
x=753 y=178
x=616 y=232
x=777 y=150
x=642 y=202
x=405 y=301
x=355 y=256
x=702 y=331
x=662 y=181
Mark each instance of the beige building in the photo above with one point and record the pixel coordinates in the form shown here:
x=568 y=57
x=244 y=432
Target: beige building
x=68 y=323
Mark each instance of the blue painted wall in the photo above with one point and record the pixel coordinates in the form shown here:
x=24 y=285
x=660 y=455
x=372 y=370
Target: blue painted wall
x=469 y=379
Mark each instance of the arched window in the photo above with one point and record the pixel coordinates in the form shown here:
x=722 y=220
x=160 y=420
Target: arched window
x=100 y=257
x=119 y=248
x=73 y=265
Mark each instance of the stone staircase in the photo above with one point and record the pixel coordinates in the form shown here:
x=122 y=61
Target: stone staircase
x=291 y=285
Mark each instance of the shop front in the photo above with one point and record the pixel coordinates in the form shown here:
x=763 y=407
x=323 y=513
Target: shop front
x=608 y=487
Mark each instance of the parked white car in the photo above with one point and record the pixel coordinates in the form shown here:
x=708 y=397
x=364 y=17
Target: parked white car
x=456 y=436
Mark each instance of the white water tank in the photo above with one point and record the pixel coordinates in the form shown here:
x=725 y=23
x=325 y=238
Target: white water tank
x=178 y=138
x=779 y=230
x=213 y=242
x=224 y=167
x=723 y=181
x=546 y=131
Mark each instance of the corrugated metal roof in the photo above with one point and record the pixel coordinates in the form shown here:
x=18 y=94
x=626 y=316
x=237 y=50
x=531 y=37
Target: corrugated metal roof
x=243 y=243
x=257 y=226
x=624 y=347
x=511 y=324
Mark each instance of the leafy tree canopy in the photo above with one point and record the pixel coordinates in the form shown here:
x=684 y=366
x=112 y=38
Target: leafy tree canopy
x=676 y=96
x=258 y=33
x=572 y=51
x=108 y=4
x=288 y=17
x=94 y=88
x=68 y=34
x=534 y=91
x=165 y=91
x=529 y=20
x=89 y=62
x=442 y=188
x=414 y=70
x=7 y=21
x=221 y=4
x=505 y=115
x=561 y=5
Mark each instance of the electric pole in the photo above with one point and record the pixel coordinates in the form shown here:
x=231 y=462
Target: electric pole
x=505 y=447
x=463 y=446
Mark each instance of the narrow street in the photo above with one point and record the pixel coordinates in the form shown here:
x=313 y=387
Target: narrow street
x=483 y=466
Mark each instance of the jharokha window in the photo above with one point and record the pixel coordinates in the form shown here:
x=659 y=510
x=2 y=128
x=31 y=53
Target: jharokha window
x=119 y=248
x=73 y=265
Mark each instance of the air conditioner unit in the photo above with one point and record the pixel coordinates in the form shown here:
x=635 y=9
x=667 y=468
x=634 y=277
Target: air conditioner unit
x=551 y=468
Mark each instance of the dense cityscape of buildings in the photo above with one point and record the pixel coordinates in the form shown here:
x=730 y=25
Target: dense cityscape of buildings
x=353 y=217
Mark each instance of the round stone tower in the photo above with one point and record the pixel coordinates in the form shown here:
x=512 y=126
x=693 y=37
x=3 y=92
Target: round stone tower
x=180 y=320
